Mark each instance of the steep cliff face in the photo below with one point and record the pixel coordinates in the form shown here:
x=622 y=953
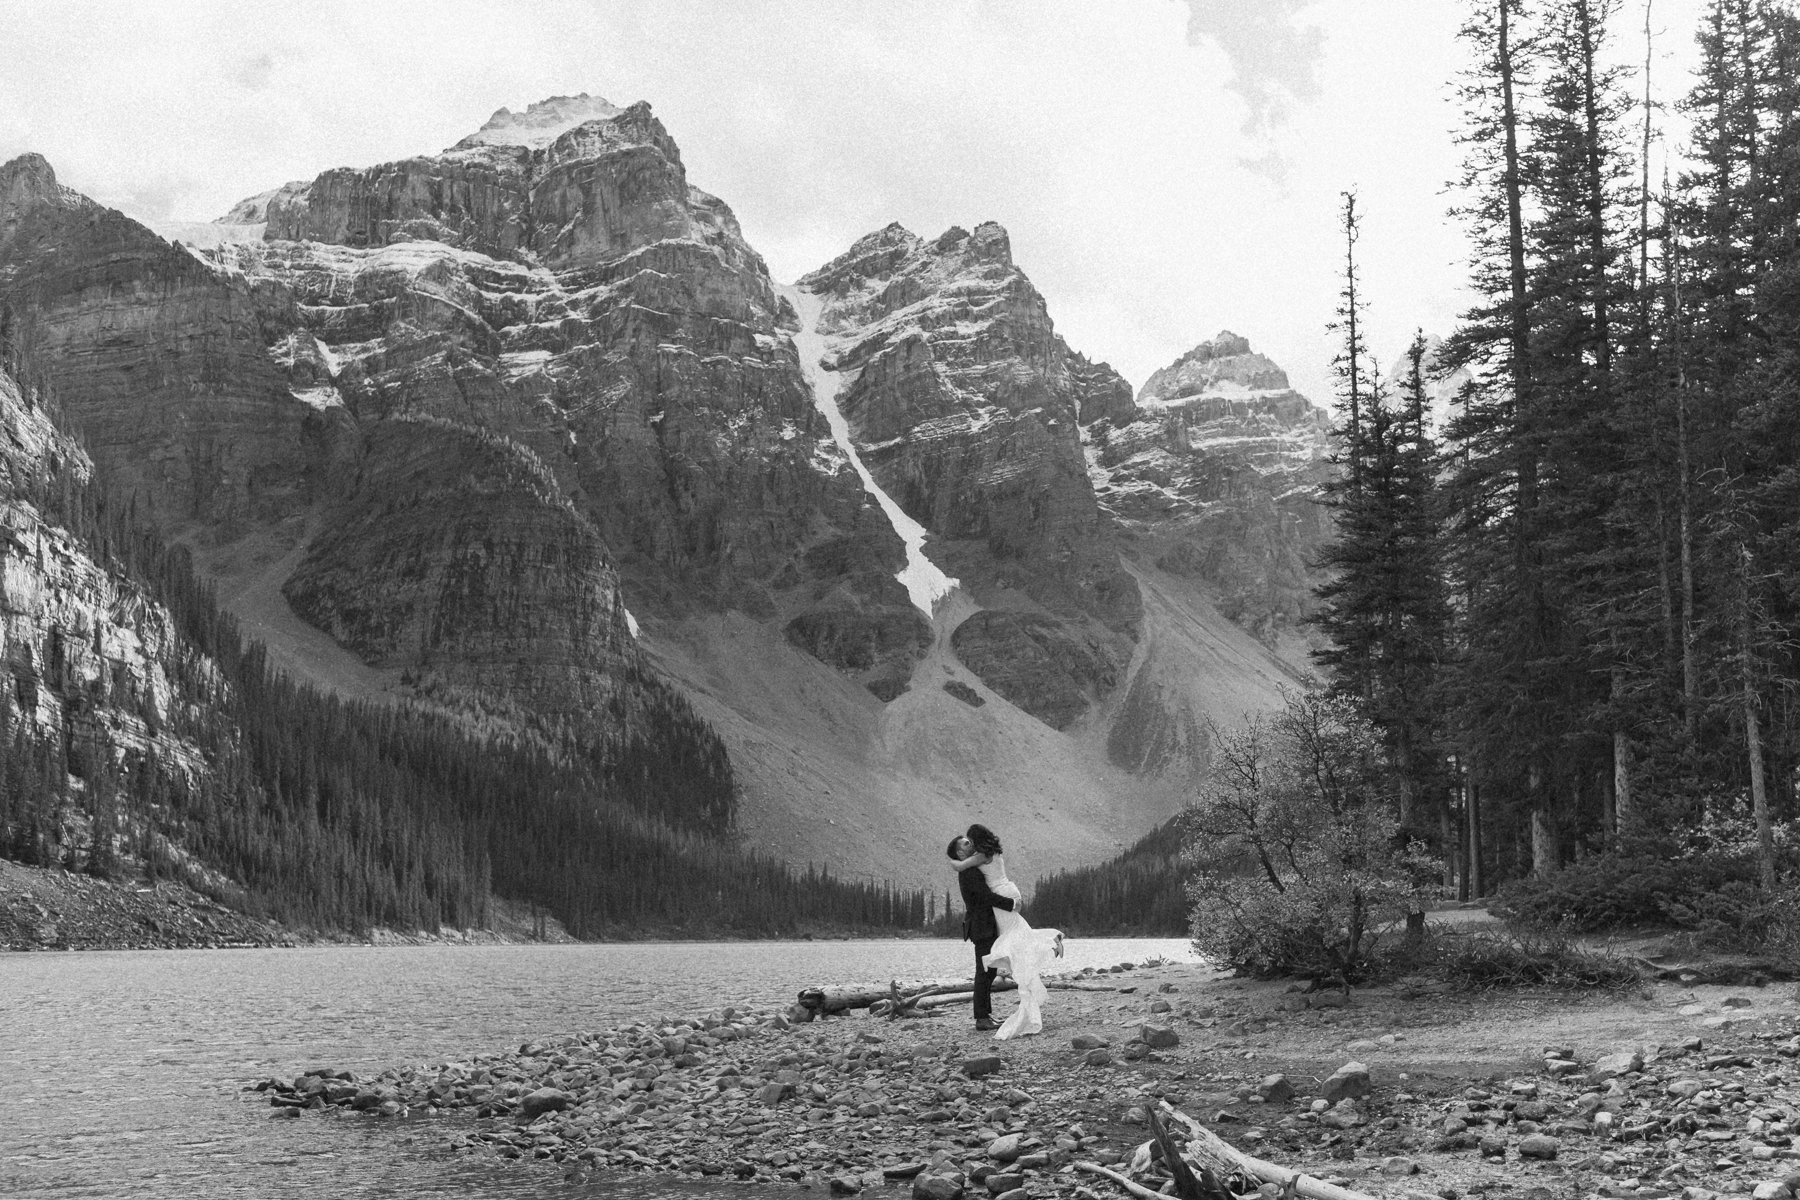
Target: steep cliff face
x=963 y=403
x=159 y=359
x=1216 y=468
x=458 y=560
x=86 y=656
x=659 y=386
x=573 y=182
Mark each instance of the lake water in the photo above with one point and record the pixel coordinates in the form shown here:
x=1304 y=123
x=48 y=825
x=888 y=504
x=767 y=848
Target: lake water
x=120 y=1071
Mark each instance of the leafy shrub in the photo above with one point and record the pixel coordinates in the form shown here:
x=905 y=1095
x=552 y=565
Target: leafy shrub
x=1740 y=916
x=1298 y=865
x=1613 y=891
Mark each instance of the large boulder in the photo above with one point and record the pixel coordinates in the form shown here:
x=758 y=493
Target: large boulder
x=545 y=1100
x=1348 y=1082
x=1275 y=1089
x=1158 y=1037
x=1624 y=1062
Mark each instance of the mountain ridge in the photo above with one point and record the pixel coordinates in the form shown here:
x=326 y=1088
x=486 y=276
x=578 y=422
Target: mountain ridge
x=576 y=310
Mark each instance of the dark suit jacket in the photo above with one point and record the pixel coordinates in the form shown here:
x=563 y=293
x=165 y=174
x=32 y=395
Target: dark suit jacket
x=979 y=903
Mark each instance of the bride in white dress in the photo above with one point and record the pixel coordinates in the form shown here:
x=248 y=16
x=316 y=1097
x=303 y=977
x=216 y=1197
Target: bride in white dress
x=1019 y=950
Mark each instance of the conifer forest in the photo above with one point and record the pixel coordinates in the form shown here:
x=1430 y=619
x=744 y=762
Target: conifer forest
x=1570 y=606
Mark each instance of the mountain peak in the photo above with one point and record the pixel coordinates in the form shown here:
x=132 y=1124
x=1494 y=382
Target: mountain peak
x=28 y=181
x=1223 y=364
x=541 y=123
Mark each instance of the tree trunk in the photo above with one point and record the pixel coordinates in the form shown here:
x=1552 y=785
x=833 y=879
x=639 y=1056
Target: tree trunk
x=1644 y=184
x=1607 y=782
x=1690 y=669
x=1596 y=198
x=1448 y=841
x=1543 y=844
x=1690 y=672
x=1621 y=819
x=1352 y=344
x=1476 y=882
x=1408 y=801
x=1543 y=837
x=1665 y=573
x=1625 y=813
x=1519 y=313
x=1759 y=792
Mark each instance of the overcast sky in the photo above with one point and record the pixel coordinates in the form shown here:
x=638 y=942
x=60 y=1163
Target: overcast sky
x=1167 y=168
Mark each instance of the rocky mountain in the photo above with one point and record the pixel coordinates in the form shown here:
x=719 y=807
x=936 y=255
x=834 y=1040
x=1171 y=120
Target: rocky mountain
x=962 y=401
x=89 y=657
x=1216 y=470
x=525 y=431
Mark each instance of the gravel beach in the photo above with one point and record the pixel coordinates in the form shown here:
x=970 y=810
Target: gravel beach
x=1402 y=1091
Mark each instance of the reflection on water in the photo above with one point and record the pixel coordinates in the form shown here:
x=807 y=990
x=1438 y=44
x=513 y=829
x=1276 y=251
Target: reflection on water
x=120 y=1072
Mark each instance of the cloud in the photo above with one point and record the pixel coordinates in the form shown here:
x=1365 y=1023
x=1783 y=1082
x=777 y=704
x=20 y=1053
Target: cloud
x=1274 y=64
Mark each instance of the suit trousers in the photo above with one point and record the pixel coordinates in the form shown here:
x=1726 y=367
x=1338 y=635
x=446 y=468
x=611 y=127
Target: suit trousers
x=984 y=980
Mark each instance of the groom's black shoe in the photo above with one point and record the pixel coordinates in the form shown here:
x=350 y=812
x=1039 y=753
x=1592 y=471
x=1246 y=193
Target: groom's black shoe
x=986 y=1023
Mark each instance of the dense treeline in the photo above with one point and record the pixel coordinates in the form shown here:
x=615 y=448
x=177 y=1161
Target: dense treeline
x=1573 y=616
x=334 y=814
x=1139 y=893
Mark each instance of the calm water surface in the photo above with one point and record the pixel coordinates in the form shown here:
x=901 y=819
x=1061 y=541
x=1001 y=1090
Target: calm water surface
x=120 y=1072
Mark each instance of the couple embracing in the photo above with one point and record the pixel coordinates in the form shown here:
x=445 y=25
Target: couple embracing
x=1004 y=941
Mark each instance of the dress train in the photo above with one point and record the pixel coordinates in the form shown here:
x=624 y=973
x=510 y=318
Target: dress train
x=1023 y=953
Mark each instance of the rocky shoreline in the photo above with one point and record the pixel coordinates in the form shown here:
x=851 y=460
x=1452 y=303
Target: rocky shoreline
x=52 y=909
x=1449 y=1095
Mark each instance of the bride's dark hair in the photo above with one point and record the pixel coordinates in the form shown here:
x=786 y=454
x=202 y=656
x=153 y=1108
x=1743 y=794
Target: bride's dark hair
x=984 y=839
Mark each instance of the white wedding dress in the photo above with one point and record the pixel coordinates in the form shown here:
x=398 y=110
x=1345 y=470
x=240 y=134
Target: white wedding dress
x=1020 y=951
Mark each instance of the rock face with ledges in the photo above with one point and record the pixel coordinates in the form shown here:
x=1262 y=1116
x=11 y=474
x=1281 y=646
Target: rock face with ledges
x=456 y=552
x=601 y=188
x=84 y=652
x=1219 y=465
x=159 y=359
x=964 y=404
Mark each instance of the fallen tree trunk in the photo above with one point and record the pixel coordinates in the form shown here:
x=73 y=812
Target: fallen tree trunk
x=918 y=994
x=823 y=1000
x=964 y=996
x=845 y=997
x=1208 y=1149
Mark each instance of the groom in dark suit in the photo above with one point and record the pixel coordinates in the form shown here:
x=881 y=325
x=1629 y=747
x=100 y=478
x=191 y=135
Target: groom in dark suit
x=979 y=926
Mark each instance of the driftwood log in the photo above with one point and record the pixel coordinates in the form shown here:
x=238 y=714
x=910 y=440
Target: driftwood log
x=918 y=993
x=1209 y=1150
x=1136 y=1189
x=844 y=997
x=963 y=995
x=901 y=997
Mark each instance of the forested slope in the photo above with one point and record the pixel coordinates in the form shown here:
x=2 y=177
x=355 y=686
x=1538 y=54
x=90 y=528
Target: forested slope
x=143 y=733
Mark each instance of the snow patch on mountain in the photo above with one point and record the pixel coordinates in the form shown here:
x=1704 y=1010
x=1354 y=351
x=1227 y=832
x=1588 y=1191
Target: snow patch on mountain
x=924 y=582
x=541 y=123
